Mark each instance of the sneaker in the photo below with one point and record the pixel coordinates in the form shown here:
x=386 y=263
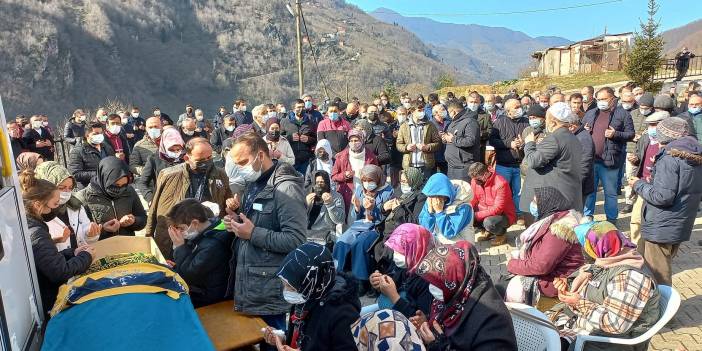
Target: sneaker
x=627 y=208
x=499 y=240
x=483 y=235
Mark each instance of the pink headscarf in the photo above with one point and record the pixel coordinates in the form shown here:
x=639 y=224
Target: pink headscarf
x=169 y=137
x=411 y=240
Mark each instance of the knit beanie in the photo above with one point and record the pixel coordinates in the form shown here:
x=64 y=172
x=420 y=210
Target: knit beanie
x=670 y=129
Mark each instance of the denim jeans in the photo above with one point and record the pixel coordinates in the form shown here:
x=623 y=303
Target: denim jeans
x=608 y=177
x=513 y=177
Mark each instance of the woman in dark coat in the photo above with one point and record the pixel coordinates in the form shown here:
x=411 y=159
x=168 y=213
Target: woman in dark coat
x=170 y=152
x=325 y=304
x=112 y=201
x=202 y=244
x=54 y=268
x=467 y=312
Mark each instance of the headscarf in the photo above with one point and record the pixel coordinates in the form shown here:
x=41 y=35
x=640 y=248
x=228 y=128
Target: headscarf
x=27 y=160
x=357 y=133
x=110 y=169
x=455 y=269
x=52 y=171
x=367 y=129
x=386 y=330
x=169 y=137
x=412 y=241
x=375 y=174
x=324 y=165
x=241 y=130
x=415 y=179
x=550 y=200
x=601 y=239
x=269 y=122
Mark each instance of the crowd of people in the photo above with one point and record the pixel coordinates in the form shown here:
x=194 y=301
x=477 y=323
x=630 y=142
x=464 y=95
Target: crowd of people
x=296 y=215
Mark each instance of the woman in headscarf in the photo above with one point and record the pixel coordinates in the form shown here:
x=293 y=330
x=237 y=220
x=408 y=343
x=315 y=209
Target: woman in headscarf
x=374 y=142
x=402 y=289
x=615 y=295
x=467 y=312
x=72 y=226
x=323 y=161
x=324 y=303
x=447 y=212
x=28 y=160
x=369 y=198
x=325 y=210
x=278 y=147
x=170 y=152
x=348 y=165
x=112 y=201
x=549 y=249
x=386 y=330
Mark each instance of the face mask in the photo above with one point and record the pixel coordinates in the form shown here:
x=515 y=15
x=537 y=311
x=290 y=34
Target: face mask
x=97 y=139
x=157 y=113
x=114 y=130
x=199 y=118
x=115 y=191
x=283 y=110
x=135 y=115
x=489 y=106
x=401 y=118
x=334 y=116
x=498 y=105
x=272 y=114
x=45 y=124
x=645 y=111
x=407 y=105
x=308 y=104
x=652 y=132
x=637 y=97
x=517 y=113
x=274 y=135
x=324 y=156
x=247 y=172
x=533 y=209
x=405 y=188
x=627 y=105
x=229 y=128
x=293 y=297
x=536 y=123
x=82 y=118
x=102 y=119
x=242 y=108
x=472 y=106
x=36 y=125
x=125 y=121
x=694 y=110
x=418 y=116
x=203 y=166
x=372 y=116
x=603 y=105
x=188 y=132
x=190 y=234
x=154 y=133
x=64 y=197
x=175 y=155
x=399 y=259
x=370 y=186
x=586 y=98
x=543 y=104
x=436 y=292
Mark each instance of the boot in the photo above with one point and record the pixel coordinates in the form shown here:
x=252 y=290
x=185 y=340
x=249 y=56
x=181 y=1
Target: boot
x=499 y=240
x=627 y=208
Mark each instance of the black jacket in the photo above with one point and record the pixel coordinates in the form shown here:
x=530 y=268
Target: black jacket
x=196 y=134
x=407 y=212
x=146 y=183
x=218 y=137
x=201 y=263
x=126 y=147
x=17 y=147
x=54 y=268
x=84 y=159
x=302 y=150
x=465 y=148
x=620 y=120
x=485 y=325
x=328 y=323
x=243 y=117
x=73 y=132
x=504 y=131
x=417 y=295
x=587 y=160
x=380 y=149
x=30 y=138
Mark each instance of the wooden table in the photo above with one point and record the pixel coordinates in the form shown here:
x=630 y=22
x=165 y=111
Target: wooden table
x=230 y=330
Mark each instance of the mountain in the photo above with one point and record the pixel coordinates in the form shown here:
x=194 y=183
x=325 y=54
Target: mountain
x=688 y=35
x=504 y=50
x=63 y=54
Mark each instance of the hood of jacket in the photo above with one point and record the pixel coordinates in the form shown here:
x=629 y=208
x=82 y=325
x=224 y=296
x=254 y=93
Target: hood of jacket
x=440 y=185
x=345 y=290
x=687 y=149
x=284 y=172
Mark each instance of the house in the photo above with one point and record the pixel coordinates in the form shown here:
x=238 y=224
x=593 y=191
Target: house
x=603 y=53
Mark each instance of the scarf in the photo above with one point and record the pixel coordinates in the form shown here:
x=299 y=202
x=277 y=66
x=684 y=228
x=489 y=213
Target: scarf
x=27 y=160
x=415 y=179
x=412 y=241
x=386 y=330
x=328 y=164
x=454 y=269
x=110 y=169
x=550 y=200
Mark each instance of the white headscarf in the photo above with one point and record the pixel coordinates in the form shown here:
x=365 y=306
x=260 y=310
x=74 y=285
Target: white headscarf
x=325 y=165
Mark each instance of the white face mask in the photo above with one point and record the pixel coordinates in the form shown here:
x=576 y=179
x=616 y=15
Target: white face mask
x=154 y=133
x=125 y=121
x=114 y=130
x=283 y=110
x=199 y=118
x=401 y=118
x=157 y=113
x=173 y=154
x=405 y=188
x=97 y=139
x=370 y=186
x=399 y=259
x=229 y=128
x=242 y=108
x=627 y=105
x=247 y=172
x=82 y=118
x=36 y=124
x=64 y=196
x=190 y=234
x=188 y=132
x=436 y=292
x=293 y=297
x=472 y=106
x=135 y=114
x=518 y=113
x=407 y=105
x=45 y=124
x=543 y=104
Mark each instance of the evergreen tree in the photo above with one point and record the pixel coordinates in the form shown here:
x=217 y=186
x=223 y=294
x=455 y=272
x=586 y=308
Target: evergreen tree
x=647 y=51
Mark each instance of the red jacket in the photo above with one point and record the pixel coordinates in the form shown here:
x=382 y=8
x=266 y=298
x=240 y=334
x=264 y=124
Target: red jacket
x=493 y=198
x=341 y=165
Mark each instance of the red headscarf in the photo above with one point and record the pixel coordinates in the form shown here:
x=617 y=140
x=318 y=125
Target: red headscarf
x=413 y=241
x=454 y=269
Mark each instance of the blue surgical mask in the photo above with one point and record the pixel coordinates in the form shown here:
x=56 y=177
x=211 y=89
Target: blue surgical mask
x=543 y=104
x=652 y=132
x=472 y=106
x=603 y=105
x=694 y=110
x=645 y=111
x=533 y=209
x=536 y=123
x=308 y=104
x=370 y=186
x=334 y=116
x=489 y=106
x=293 y=297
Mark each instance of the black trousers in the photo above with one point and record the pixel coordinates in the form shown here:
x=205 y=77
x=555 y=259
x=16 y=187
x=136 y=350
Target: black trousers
x=495 y=224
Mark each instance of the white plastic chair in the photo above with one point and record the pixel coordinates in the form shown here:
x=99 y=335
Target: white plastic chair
x=533 y=329
x=669 y=304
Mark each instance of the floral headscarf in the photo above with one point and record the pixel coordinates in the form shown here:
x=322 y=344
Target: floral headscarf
x=601 y=239
x=411 y=240
x=386 y=330
x=27 y=160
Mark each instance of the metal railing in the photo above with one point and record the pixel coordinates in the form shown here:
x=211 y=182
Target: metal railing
x=667 y=69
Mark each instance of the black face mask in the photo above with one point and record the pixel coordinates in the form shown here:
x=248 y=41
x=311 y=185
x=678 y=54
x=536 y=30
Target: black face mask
x=115 y=191
x=46 y=217
x=323 y=156
x=273 y=135
x=372 y=116
x=318 y=191
x=203 y=166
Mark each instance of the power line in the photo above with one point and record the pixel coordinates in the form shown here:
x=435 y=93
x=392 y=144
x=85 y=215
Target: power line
x=314 y=57
x=502 y=13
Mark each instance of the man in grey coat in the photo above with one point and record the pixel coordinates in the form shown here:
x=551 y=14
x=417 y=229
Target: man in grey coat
x=270 y=222
x=557 y=159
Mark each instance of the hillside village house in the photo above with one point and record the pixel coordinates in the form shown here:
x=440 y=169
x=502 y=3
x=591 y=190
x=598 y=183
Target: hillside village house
x=603 y=53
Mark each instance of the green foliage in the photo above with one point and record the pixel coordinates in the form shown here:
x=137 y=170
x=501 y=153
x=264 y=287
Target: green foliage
x=444 y=80
x=647 y=52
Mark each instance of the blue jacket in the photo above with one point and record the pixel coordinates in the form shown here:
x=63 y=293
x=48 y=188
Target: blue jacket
x=675 y=191
x=381 y=197
x=449 y=225
x=620 y=120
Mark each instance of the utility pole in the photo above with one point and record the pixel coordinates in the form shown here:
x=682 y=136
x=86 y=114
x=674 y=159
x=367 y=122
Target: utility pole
x=298 y=25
